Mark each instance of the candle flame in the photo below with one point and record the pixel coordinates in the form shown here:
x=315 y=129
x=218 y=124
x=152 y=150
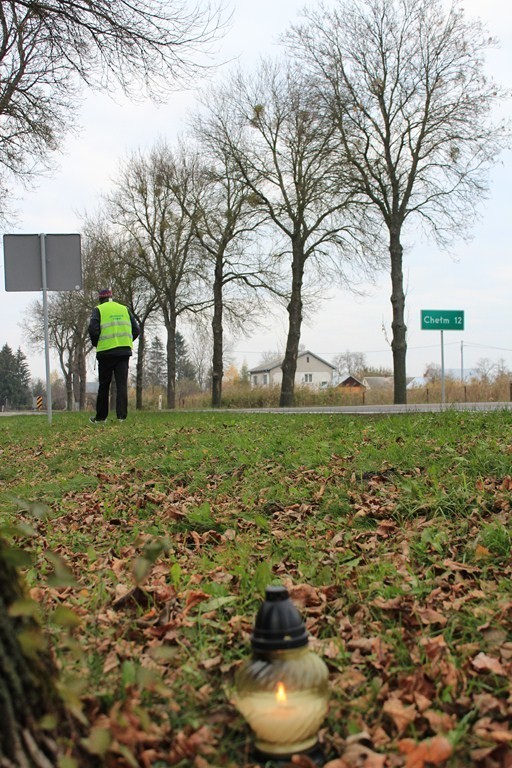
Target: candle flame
x=281 y=693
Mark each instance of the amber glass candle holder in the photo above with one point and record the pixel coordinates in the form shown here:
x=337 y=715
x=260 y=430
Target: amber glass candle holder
x=282 y=690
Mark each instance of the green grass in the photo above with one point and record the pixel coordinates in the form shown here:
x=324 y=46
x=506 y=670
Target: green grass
x=393 y=534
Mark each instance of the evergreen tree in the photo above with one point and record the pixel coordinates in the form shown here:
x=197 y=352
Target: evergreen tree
x=14 y=379
x=184 y=368
x=244 y=374
x=23 y=373
x=156 y=367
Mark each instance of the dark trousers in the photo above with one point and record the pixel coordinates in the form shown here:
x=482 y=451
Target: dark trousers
x=118 y=366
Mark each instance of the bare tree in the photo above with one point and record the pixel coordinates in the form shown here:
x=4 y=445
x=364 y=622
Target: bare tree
x=114 y=264
x=485 y=370
x=287 y=157
x=403 y=82
x=200 y=349
x=68 y=314
x=147 y=204
x=49 y=48
x=226 y=225
x=433 y=372
x=350 y=362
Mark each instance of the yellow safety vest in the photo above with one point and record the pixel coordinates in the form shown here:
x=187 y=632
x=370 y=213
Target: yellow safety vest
x=116 y=326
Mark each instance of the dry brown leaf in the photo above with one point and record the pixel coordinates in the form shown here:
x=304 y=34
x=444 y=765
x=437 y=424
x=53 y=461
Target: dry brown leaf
x=430 y=616
x=358 y=753
x=401 y=715
x=302 y=761
x=210 y=663
x=422 y=702
x=111 y=662
x=434 y=646
x=194 y=597
x=200 y=762
x=305 y=595
x=490 y=730
x=484 y=663
x=493 y=757
x=391 y=604
x=481 y=552
x=440 y=722
x=425 y=753
x=486 y=703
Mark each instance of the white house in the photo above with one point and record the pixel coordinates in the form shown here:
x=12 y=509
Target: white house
x=311 y=371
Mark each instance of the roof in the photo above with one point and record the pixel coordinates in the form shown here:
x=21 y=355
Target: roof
x=351 y=381
x=378 y=382
x=266 y=367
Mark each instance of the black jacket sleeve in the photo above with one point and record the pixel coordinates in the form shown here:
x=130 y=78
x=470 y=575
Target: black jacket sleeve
x=94 y=327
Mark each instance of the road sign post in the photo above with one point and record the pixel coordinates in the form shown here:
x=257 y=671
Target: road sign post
x=442 y=320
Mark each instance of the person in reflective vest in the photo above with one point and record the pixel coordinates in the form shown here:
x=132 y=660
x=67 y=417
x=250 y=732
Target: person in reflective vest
x=112 y=330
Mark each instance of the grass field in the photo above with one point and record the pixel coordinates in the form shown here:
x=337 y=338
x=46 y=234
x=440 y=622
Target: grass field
x=152 y=541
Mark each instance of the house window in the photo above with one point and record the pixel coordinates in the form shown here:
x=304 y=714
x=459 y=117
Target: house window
x=255 y=380
x=307 y=358
x=265 y=378
x=308 y=378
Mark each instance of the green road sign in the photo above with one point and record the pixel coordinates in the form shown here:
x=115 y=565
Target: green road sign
x=442 y=319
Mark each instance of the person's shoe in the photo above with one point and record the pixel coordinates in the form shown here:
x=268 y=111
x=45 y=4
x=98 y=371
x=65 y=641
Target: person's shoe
x=121 y=419
x=93 y=420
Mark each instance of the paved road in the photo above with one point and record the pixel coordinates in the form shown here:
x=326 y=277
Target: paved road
x=360 y=409
x=372 y=409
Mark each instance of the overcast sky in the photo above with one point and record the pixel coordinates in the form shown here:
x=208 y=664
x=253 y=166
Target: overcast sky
x=475 y=277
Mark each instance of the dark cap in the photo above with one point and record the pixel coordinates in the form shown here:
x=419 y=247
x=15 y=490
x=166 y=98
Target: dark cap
x=105 y=293
x=278 y=623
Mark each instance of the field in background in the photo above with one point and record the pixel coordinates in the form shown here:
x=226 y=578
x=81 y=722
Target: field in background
x=152 y=542
x=243 y=396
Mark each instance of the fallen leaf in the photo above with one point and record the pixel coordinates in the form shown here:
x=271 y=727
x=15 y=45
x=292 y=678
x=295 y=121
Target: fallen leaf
x=111 y=662
x=391 y=604
x=401 y=715
x=211 y=663
x=425 y=753
x=440 y=722
x=422 y=702
x=305 y=595
x=429 y=616
x=302 y=761
x=485 y=663
x=358 y=752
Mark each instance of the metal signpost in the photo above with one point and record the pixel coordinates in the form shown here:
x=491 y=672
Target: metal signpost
x=442 y=320
x=43 y=263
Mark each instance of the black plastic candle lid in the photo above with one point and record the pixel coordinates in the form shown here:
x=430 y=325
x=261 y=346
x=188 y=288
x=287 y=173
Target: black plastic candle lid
x=278 y=624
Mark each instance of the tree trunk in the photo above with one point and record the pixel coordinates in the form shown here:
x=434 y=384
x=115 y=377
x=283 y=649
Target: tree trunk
x=399 y=329
x=170 y=326
x=217 y=361
x=70 y=396
x=27 y=684
x=286 y=399
x=76 y=381
x=82 y=377
x=139 y=376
